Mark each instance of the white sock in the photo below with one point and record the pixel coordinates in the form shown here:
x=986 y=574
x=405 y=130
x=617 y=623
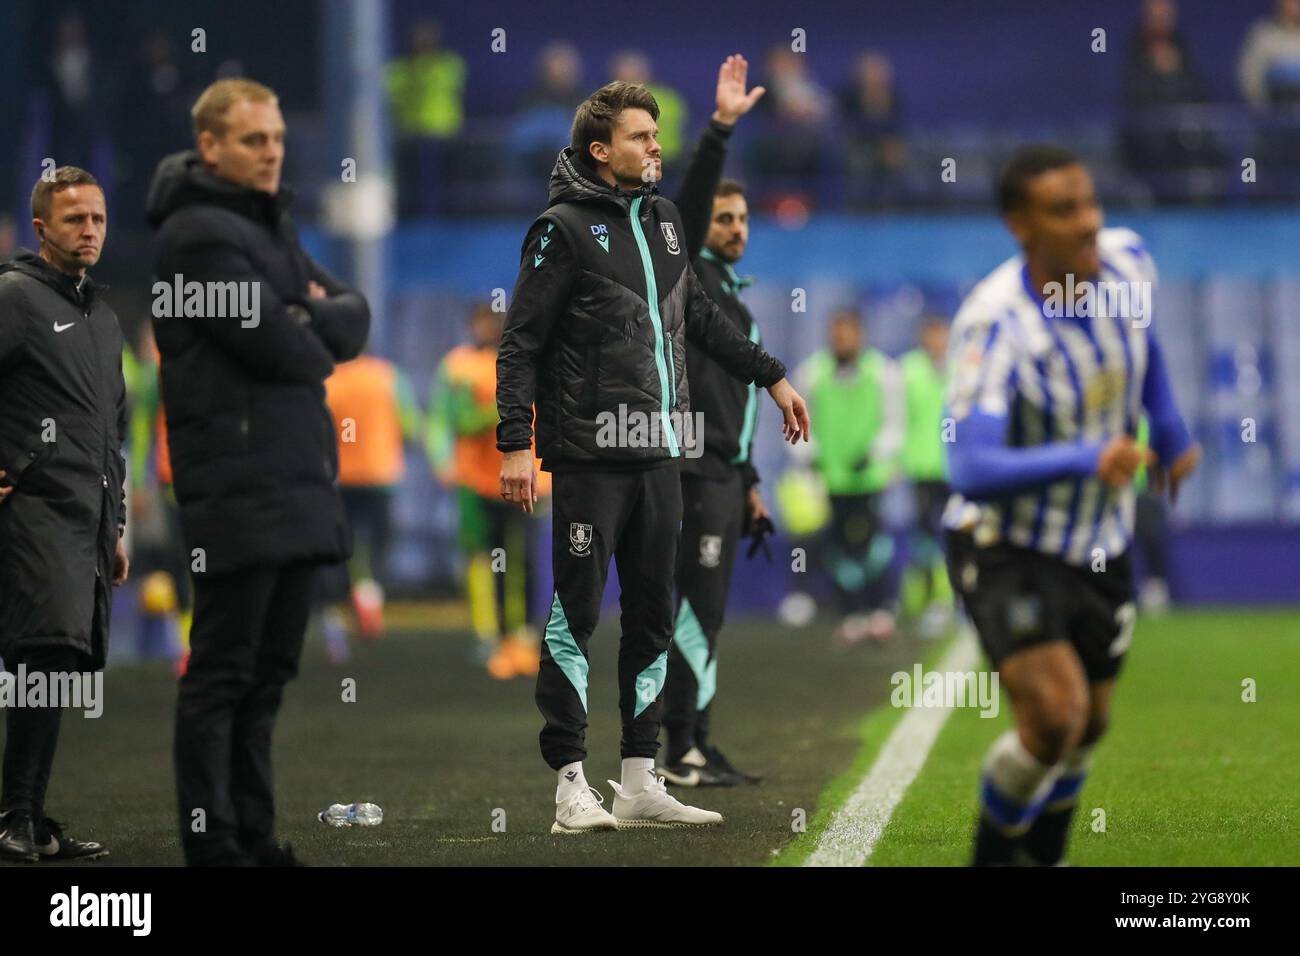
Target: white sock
x=571 y=779
x=1021 y=779
x=638 y=772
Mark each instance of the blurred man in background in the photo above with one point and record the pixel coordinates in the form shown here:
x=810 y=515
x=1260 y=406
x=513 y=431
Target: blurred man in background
x=158 y=552
x=463 y=451
x=62 y=489
x=925 y=467
x=720 y=498
x=375 y=414
x=854 y=392
x=253 y=451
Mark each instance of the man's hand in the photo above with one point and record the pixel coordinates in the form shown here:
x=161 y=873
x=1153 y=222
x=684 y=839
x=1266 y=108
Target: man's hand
x=1169 y=480
x=315 y=290
x=793 y=410
x=519 y=478
x=5 y=490
x=1120 y=459
x=733 y=101
x=754 y=507
x=121 y=566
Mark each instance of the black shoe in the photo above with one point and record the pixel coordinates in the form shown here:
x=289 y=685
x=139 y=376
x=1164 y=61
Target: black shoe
x=721 y=765
x=680 y=774
x=276 y=856
x=17 y=842
x=53 y=844
x=695 y=769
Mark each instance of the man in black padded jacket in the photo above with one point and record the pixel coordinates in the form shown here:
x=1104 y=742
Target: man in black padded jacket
x=596 y=336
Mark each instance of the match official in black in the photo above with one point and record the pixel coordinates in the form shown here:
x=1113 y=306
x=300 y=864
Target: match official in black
x=254 y=454
x=62 y=510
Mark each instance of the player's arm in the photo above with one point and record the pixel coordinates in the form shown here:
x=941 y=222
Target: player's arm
x=1177 y=453
x=981 y=464
x=545 y=278
x=742 y=359
x=280 y=346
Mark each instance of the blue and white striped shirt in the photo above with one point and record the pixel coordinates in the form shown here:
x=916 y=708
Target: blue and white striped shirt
x=1054 y=379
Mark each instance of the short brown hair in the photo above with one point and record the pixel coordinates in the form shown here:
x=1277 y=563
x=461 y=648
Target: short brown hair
x=729 y=187
x=209 y=110
x=595 y=118
x=44 y=190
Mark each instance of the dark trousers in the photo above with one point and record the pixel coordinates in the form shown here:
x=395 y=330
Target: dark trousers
x=244 y=647
x=32 y=734
x=633 y=517
x=712 y=515
x=860 y=583
x=927 y=541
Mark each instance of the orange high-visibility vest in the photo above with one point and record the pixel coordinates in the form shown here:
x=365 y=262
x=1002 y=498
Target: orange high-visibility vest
x=362 y=395
x=476 y=461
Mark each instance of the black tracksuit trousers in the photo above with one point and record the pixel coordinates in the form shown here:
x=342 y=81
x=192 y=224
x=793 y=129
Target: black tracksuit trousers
x=244 y=647
x=713 y=513
x=633 y=516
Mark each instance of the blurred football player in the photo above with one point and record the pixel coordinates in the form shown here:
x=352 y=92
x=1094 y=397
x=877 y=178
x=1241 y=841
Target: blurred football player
x=1046 y=390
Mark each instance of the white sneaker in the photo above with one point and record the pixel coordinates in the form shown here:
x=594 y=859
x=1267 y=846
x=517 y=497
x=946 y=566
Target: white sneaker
x=582 y=811
x=654 y=807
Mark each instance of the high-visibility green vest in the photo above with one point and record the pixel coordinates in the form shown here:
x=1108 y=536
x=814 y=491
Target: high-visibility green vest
x=426 y=93
x=924 y=455
x=848 y=411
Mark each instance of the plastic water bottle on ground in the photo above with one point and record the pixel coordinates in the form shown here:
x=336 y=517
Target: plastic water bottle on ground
x=354 y=815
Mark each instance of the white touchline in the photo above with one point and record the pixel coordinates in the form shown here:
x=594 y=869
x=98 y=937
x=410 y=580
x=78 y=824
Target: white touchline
x=856 y=827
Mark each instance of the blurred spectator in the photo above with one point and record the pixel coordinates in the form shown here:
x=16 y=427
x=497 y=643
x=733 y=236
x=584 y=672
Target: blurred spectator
x=74 y=98
x=1164 y=144
x=375 y=414
x=924 y=459
x=559 y=77
x=855 y=396
x=545 y=117
x=632 y=66
x=790 y=150
x=876 y=151
x=427 y=86
x=151 y=119
x=462 y=449
x=426 y=90
x=1269 y=68
x=1160 y=71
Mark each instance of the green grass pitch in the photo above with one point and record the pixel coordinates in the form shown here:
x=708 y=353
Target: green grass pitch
x=1190 y=774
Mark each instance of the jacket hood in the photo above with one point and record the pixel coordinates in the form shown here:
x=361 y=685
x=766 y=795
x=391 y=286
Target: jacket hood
x=573 y=180
x=183 y=179
x=79 y=291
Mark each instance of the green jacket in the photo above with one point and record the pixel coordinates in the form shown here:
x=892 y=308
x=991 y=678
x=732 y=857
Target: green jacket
x=858 y=421
x=924 y=455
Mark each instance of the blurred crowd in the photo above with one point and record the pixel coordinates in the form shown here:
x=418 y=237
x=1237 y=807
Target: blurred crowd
x=846 y=140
